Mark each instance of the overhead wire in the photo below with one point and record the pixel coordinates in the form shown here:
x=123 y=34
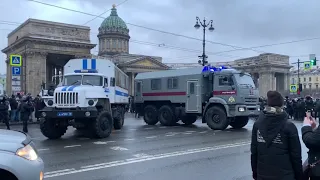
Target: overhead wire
x=104 y=12
x=144 y=27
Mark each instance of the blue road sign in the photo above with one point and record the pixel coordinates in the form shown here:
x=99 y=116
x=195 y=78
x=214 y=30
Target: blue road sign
x=16 y=71
x=16 y=60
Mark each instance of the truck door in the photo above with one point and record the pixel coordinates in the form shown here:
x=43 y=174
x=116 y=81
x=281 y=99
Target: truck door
x=192 y=104
x=138 y=92
x=223 y=87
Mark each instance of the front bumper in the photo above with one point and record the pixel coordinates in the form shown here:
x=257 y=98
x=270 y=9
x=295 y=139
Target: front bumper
x=246 y=110
x=69 y=113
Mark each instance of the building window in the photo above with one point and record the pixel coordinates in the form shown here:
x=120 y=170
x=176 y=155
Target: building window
x=309 y=86
x=304 y=86
x=317 y=78
x=108 y=44
x=304 y=79
x=172 y=83
x=317 y=86
x=114 y=44
x=155 y=84
x=292 y=81
x=299 y=79
x=309 y=78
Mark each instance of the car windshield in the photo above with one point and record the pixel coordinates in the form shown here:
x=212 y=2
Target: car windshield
x=71 y=80
x=244 y=80
x=92 y=80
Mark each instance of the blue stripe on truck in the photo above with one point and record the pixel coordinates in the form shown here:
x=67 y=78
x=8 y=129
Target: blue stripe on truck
x=119 y=93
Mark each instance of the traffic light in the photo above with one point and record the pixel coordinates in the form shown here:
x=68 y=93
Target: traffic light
x=313 y=62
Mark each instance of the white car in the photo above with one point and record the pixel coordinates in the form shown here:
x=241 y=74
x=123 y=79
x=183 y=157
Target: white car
x=19 y=158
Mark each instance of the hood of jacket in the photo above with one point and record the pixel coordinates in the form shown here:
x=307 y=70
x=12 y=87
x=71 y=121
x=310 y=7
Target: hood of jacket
x=271 y=121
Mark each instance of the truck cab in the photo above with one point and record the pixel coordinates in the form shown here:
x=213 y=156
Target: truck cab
x=81 y=102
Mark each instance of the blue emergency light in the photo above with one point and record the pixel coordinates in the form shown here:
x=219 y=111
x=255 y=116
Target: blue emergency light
x=86 y=71
x=213 y=69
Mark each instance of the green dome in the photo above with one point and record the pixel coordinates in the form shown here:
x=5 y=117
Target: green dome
x=113 y=21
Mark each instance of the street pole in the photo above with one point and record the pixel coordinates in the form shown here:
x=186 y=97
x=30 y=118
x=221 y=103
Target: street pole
x=204 y=25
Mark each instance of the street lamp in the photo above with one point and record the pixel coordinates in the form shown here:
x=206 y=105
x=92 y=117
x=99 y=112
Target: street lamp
x=211 y=28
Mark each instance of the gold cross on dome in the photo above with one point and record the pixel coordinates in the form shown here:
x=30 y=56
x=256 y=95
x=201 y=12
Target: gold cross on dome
x=114 y=6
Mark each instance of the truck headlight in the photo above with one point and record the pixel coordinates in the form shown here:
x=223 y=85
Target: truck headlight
x=241 y=109
x=50 y=102
x=90 y=102
x=27 y=152
x=258 y=108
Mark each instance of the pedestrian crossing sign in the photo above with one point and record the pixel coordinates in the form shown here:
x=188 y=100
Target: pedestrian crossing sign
x=293 y=88
x=15 y=60
x=307 y=65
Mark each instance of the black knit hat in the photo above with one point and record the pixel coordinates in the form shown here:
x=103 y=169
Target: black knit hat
x=274 y=99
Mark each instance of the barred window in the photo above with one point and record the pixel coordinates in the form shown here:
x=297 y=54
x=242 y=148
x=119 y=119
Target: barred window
x=173 y=83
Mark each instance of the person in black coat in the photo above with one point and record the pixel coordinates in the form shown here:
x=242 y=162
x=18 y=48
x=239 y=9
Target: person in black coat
x=311 y=138
x=275 y=144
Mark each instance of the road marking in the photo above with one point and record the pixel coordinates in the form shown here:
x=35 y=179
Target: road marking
x=151 y=137
x=202 y=132
x=42 y=149
x=142 y=155
x=171 y=135
x=149 y=128
x=187 y=133
x=103 y=142
x=154 y=157
x=59 y=171
x=118 y=148
x=129 y=139
x=71 y=146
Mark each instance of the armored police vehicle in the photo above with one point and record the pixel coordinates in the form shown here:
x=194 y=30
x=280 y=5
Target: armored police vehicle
x=89 y=98
x=220 y=95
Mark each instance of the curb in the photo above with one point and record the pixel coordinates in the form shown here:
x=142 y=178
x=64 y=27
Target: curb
x=17 y=123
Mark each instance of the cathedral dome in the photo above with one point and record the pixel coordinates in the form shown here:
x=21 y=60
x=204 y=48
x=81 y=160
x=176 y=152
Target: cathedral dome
x=113 y=21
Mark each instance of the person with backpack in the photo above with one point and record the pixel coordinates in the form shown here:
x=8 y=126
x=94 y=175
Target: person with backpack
x=275 y=144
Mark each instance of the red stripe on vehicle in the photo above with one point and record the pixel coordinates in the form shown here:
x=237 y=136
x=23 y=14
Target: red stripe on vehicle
x=165 y=94
x=224 y=92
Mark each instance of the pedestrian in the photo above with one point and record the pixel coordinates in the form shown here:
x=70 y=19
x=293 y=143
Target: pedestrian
x=275 y=144
x=26 y=108
x=311 y=138
x=14 y=107
x=4 y=111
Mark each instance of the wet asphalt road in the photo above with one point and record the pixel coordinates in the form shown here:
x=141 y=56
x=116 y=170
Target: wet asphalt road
x=142 y=152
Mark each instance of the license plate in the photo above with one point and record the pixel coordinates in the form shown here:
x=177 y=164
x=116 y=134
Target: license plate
x=64 y=114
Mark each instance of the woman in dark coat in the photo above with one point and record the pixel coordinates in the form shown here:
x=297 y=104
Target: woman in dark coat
x=275 y=144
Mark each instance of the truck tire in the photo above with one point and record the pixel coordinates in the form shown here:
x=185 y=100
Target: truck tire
x=216 y=118
x=239 y=122
x=189 y=119
x=166 y=116
x=150 y=115
x=51 y=130
x=119 y=120
x=102 y=126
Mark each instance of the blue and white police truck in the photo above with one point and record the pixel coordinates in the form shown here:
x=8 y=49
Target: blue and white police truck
x=92 y=96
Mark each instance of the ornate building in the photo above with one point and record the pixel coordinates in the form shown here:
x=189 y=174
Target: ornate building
x=114 y=44
x=113 y=35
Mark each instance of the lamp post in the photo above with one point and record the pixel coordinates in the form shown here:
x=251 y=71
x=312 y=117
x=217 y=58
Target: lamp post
x=204 y=24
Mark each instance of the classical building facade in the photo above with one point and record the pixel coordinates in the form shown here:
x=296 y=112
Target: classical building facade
x=310 y=79
x=45 y=48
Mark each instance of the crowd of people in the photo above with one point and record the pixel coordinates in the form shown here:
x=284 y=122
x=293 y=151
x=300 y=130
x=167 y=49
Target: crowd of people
x=18 y=108
x=275 y=144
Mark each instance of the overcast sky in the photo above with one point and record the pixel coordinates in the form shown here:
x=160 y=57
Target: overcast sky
x=239 y=23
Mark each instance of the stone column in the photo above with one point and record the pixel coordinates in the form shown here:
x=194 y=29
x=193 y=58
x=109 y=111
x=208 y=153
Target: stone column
x=8 y=77
x=286 y=81
x=132 y=83
x=35 y=71
x=266 y=82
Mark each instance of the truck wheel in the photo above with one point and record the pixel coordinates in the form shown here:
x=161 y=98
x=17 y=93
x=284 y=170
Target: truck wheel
x=166 y=116
x=239 y=122
x=150 y=115
x=119 y=120
x=216 y=118
x=189 y=119
x=50 y=129
x=102 y=126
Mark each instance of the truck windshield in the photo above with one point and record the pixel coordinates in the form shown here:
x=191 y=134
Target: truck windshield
x=92 y=80
x=72 y=80
x=85 y=80
x=244 y=80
